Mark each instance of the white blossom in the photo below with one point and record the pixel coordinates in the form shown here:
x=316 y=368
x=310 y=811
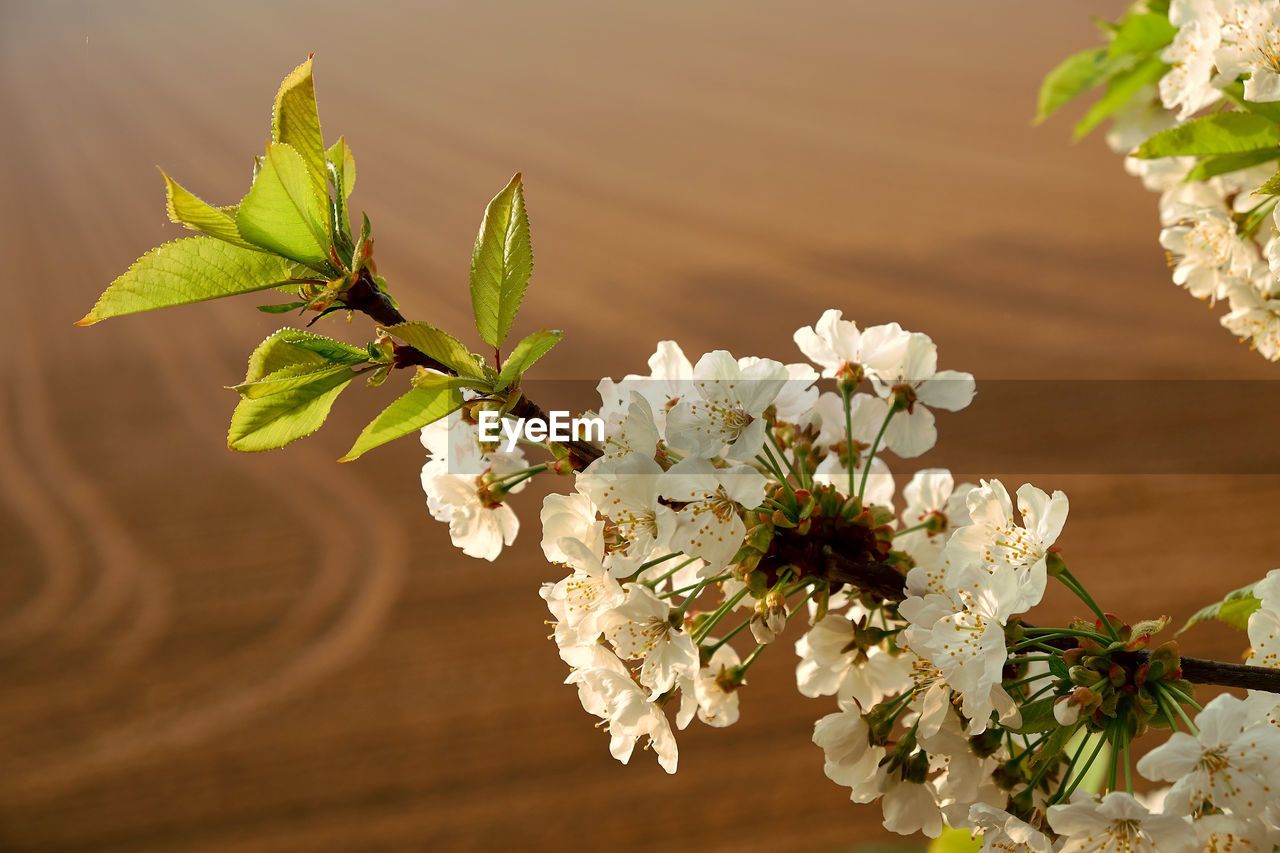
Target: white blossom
x=914 y=382
x=994 y=540
x=708 y=523
x=1188 y=85
x=1251 y=45
x=641 y=628
x=727 y=407
x=1003 y=833
x=1232 y=762
x=705 y=694
x=850 y=759
x=1118 y=823
x=617 y=699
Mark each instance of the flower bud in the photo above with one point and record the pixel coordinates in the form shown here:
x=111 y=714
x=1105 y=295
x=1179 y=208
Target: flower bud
x=849 y=377
x=1066 y=710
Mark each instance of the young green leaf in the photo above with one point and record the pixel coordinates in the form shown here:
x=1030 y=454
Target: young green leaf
x=439 y=345
x=1234 y=610
x=1220 y=133
x=432 y=397
x=295 y=121
x=341 y=167
x=1235 y=94
x=526 y=352
x=286 y=210
x=269 y=422
x=191 y=269
x=187 y=209
x=501 y=263
x=1072 y=77
x=1142 y=34
x=289 y=347
x=1120 y=90
x=1221 y=164
x=288 y=378
x=281 y=308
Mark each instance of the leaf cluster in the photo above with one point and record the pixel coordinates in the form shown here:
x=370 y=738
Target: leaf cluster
x=292 y=231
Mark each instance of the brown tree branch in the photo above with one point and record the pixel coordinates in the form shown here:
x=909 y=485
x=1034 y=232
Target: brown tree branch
x=885 y=582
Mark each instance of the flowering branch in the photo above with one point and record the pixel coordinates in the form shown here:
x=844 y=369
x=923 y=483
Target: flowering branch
x=735 y=494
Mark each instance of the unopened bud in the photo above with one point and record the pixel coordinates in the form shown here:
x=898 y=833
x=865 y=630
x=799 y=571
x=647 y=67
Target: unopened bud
x=849 y=377
x=1066 y=711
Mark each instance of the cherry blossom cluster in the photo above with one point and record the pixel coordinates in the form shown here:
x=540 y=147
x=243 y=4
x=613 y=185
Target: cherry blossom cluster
x=734 y=496
x=1217 y=230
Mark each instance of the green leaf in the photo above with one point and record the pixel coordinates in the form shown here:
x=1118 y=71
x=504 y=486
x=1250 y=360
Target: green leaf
x=1037 y=716
x=1221 y=164
x=1220 y=133
x=1059 y=667
x=428 y=401
x=341 y=168
x=187 y=209
x=331 y=350
x=954 y=840
x=295 y=347
x=342 y=174
x=1072 y=77
x=280 y=308
x=1142 y=33
x=1120 y=90
x=295 y=121
x=192 y=269
x=501 y=263
x=1235 y=94
x=286 y=210
x=266 y=423
x=439 y=345
x=1234 y=610
x=526 y=353
x=288 y=378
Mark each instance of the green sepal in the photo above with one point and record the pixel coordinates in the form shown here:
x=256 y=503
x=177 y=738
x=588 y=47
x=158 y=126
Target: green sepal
x=501 y=263
x=429 y=400
x=1271 y=186
x=190 y=269
x=524 y=355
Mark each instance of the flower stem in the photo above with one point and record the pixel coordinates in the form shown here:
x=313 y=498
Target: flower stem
x=1070 y=582
x=653 y=582
x=875 y=445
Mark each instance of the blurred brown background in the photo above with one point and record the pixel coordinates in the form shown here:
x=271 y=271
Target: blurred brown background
x=206 y=651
